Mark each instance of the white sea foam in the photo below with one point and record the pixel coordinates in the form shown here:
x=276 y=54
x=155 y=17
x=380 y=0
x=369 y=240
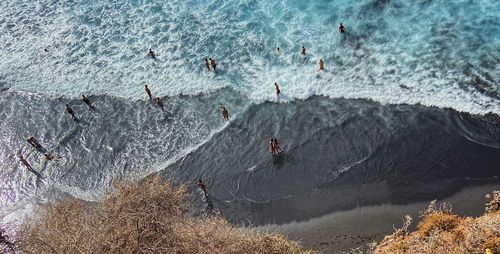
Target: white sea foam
x=436 y=54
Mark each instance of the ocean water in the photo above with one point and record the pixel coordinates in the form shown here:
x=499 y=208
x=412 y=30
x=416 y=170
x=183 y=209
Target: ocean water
x=434 y=53
x=410 y=95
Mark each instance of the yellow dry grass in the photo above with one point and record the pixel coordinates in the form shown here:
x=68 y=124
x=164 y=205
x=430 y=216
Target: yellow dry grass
x=440 y=231
x=145 y=217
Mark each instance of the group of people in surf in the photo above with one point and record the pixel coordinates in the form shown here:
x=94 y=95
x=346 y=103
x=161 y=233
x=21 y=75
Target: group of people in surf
x=48 y=156
x=212 y=65
x=158 y=101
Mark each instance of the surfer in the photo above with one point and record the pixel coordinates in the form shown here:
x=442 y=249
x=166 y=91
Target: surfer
x=32 y=141
x=207 y=64
x=321 y=65
x=278 y=91
x=152 y=54
x=70 y=111
x=341 y=28
x=213 y=63
x=225 y=114
x=303 y=51
x=148 y=92
x=159 y=102
x=25 y=163
x=87 y=101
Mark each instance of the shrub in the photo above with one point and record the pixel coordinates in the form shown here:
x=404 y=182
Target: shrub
x=140 y=217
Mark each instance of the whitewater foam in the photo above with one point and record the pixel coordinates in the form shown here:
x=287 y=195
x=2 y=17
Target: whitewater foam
x=437 y=53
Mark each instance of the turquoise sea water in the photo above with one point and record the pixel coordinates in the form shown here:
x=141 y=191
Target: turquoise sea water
x=440 y=53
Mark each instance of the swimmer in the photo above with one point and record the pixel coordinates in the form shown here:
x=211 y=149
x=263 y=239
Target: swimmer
x=152 y=54
x=148 y=92
x=321 y=65
x=212 y=62
x=278 y=50
x=70 y=111
x=225 y=114
x=207 y=64
x=278 y=91
x=87 y=101
x=303 y=51
x=159 y=102
x=341 y=28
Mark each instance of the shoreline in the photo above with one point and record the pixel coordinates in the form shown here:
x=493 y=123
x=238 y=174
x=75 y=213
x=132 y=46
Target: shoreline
x=343 y=230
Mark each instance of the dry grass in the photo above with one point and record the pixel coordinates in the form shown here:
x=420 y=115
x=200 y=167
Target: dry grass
x=146 y=217
x=440 y=231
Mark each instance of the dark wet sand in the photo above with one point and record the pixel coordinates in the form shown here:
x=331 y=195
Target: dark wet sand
x=340 y=231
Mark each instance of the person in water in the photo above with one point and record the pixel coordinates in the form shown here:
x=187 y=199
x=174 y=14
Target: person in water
x=203 y=187
x=277 y=146
x=207 y=64
x=341 y=28
x=303 y=51
x=278 y=91
x=152 y=54
x=33 y=142
x=25 y=163
x=148 y=92
x=321 y=65
x=87 y=101
x=159 y=102
x=70 y=111
x=52 y=157
x=225 y=114
x=271 y=144
x=278 y=50
x=213 y=63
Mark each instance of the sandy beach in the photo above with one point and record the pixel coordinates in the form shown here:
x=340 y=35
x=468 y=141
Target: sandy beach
x=344 y=230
